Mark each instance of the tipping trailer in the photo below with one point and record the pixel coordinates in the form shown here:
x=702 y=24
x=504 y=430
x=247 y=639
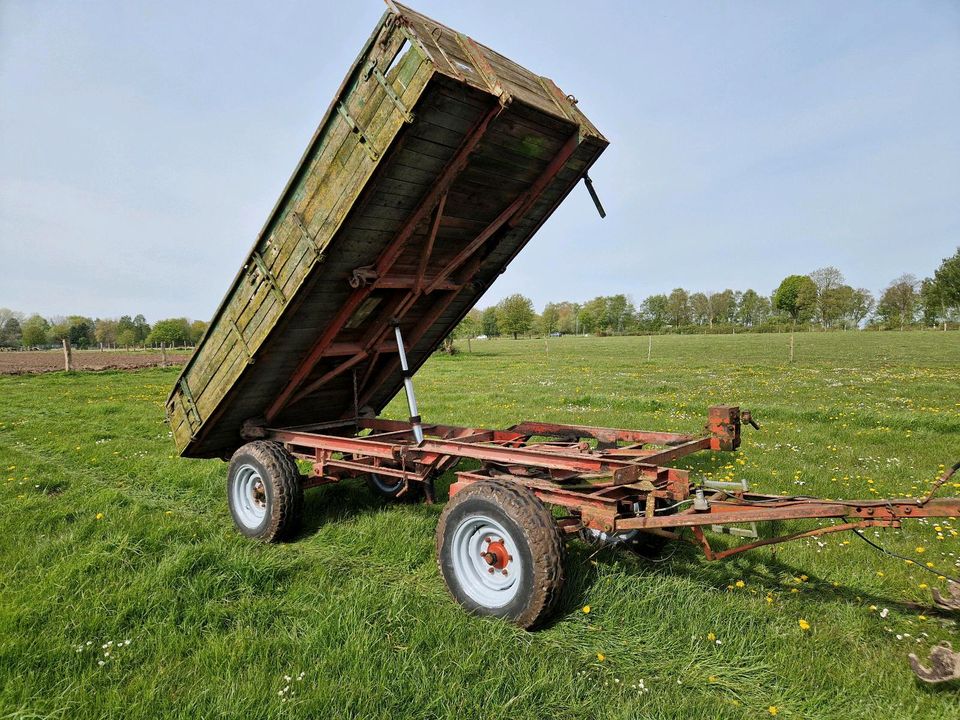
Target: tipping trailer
x=434 y=165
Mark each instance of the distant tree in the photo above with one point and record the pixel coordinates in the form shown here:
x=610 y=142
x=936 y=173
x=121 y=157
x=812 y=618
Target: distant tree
x=898 y=304
x=749 y=311
x=796 y=297
x=10 y=332
x=701 y=312
x=723 y=306
x=567 y=317
x=171 y=332
x=932 y=302
x=837 y=305
x=141 y=328
x=75 y=328
x=105 y=331
x=515 y=314
x=861 y=305
x=199 y=327
x=34 y=331
x=653 y=313
x=827 y=279
x=550 y=319
x=947 y=278
x=678 y=307
x=488 y=322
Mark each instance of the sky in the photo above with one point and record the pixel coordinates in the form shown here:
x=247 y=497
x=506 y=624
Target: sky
x=143 y=144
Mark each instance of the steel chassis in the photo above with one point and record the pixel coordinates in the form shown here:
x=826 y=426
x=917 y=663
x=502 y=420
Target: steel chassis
x=608 y=480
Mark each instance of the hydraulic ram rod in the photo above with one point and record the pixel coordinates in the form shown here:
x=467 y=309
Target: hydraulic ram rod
x=408 y=387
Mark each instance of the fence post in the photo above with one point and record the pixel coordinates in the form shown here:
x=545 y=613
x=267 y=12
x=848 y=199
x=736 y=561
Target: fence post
x=163 y=354
x=649 y=346
x=791 y=347
x=67 y=355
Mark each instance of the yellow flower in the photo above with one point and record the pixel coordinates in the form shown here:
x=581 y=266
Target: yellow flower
x=601 y=657
x=921 y=549
x=739 y=583
x=930 y=564
x=586 y=609
x=804 y=625
x=711 y=637
x=922 y=586
x=773 y=710
x=99 y=516
x=804 y=578
x=713 y=678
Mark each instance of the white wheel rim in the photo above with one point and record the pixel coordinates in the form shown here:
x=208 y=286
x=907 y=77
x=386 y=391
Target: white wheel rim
x=248 y=494
x=490 y=585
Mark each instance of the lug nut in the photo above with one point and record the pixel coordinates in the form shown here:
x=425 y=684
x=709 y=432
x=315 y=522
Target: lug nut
x=490 y=570
x=504 y=571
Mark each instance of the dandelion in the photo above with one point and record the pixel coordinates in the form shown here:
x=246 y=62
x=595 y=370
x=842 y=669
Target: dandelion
x=711 y=636
x=739 y=583
x=773 y=710
x=586 y=609
x=920 y=549
x=804 y=625
x=99 y=516
x=601 y=657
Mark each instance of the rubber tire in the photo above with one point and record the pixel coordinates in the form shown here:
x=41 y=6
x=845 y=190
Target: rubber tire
x=538 y=540
x=413 y=494
x=282 y=487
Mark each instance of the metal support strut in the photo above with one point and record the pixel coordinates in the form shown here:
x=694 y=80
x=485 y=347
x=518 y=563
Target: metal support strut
x=408 y=387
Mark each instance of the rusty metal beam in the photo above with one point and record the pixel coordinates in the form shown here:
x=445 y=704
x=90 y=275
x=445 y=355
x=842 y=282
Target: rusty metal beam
x=431 y=238
x=386 y=260
x=513 y=212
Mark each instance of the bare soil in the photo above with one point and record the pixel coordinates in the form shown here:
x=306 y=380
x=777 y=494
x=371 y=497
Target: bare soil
x=43 y=361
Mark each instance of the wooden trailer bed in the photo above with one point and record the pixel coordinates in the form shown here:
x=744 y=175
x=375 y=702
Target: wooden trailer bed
x=436 y=162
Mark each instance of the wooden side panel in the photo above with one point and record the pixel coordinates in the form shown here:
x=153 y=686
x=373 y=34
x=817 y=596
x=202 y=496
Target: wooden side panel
x=353 y=137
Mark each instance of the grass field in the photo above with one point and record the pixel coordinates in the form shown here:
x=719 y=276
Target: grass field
x=125 y=591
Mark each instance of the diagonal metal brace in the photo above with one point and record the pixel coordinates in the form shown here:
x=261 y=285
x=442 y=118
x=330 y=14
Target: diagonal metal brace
x=362 y=139
x=373 y=71
x=270 y=277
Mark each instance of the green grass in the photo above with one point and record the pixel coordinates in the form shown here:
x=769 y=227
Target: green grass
x=106 y=536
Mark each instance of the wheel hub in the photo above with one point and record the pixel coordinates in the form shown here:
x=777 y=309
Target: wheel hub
x=496 y=555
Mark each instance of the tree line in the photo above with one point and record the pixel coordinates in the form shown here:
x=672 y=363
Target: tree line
x=20 y=331
x=821 y=299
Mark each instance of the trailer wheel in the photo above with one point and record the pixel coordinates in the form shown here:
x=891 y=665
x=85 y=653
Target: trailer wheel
x=264 y=491
x=500 y=552
x=389 y=487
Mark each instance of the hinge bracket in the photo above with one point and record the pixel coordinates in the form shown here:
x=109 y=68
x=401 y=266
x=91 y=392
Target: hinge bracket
x=266 y=273
x=362 y=139
x=306 y=239
x=189 y=406
x=387 y=86
x=242 y=339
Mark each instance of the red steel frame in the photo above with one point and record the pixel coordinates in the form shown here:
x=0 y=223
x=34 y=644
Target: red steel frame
x=607 y=479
